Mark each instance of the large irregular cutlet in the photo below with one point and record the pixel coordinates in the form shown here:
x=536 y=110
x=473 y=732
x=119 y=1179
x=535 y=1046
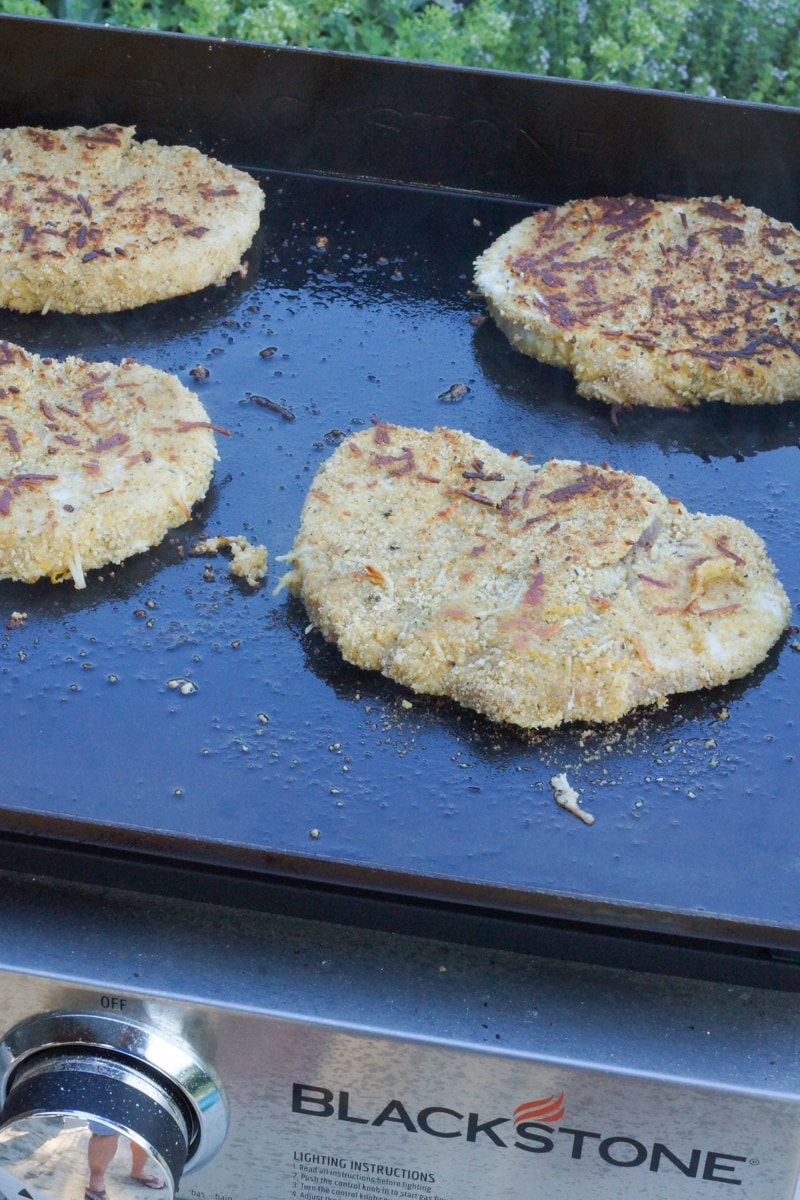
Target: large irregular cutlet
x=97 y=462
x=663 y=303
x=93 y=221
x=534 y=594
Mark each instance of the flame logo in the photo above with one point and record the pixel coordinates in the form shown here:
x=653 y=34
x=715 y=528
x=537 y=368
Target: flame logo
x=547 y=1111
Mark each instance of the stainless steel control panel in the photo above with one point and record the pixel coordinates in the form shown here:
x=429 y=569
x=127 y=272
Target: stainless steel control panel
x=305 y=1060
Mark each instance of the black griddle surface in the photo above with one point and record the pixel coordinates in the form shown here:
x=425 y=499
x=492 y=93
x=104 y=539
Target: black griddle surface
x=287 y=760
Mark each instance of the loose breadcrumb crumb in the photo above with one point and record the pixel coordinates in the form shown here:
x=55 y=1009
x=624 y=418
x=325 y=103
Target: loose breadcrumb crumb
x=566 y=797
x=247 y=561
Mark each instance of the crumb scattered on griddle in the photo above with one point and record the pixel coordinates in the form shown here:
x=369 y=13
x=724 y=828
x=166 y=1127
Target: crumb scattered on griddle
x=186 y=687
x=456 y=391
x=566 y=797
x=247 y=560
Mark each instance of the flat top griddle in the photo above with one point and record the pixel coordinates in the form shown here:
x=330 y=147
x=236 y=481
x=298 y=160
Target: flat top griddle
x=287 y=761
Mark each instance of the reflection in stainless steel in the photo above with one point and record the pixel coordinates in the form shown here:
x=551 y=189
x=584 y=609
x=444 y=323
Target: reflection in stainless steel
x=48 y=1157
x=66 y=1117
x=85 y=1096
x=204 y=1106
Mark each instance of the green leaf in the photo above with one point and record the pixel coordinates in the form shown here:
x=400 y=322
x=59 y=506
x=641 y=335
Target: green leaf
x=80 y=10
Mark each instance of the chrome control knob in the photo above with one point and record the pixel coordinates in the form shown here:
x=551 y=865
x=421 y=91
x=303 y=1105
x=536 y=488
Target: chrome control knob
x=69 y=1110
x=85 y=1096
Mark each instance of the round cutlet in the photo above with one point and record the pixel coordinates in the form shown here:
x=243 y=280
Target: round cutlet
x=93 y=221
x=663 y=303
x=533 y=594
x=97 y=462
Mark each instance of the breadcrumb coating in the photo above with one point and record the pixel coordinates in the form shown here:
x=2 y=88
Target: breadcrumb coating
x=93 y=221
x=533 y=594
x=97 y=462
x=663 y=303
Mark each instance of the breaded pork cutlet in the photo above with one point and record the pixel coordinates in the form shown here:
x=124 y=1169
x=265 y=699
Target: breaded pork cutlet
x=663 y=303
x=93 y=221
x=534 y=594
x=97 y=462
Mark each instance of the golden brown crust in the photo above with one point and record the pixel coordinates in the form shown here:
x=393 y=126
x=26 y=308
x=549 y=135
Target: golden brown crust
x=97 y=462
x=534 y=594
x=653 y=302
x=93 y=221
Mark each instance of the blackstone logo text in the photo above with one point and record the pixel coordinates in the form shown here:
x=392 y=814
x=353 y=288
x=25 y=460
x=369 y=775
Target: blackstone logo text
x=522 y=1131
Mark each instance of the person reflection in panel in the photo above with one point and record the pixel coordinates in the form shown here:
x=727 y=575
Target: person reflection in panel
x=103 y=1145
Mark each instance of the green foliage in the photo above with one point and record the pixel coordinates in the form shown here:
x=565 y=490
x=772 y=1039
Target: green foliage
x=474 y=36
x=80 y=10
x=24 y=8
x=744 y=49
